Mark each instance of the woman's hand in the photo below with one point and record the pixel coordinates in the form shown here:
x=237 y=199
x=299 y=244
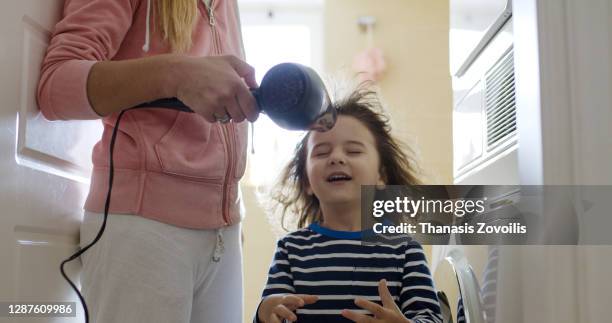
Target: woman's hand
x=275 y=308
x=388 y=313
x=216 y=87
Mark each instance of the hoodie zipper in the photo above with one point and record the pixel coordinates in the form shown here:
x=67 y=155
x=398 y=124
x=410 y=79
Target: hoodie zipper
x=226 y=128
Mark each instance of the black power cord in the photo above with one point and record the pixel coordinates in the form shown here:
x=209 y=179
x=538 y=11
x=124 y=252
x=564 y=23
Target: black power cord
x=106 y=208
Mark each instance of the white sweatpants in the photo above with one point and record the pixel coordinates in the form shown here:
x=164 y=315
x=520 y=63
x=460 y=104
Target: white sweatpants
x=145 y=271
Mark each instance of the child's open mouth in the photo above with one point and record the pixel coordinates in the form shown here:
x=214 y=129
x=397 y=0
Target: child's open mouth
x=338 y=177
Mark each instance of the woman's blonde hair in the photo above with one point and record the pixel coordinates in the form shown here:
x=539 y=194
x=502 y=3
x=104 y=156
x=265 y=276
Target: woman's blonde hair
x=177 y=19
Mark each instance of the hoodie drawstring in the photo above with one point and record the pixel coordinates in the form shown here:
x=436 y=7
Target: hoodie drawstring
x=252 y=138
x=219 y=248
x=145 y=47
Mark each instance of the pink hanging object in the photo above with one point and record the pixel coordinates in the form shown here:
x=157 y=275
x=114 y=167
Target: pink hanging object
x=370 y=64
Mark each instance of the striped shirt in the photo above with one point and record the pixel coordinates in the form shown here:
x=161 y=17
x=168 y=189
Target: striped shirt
x=337 y=267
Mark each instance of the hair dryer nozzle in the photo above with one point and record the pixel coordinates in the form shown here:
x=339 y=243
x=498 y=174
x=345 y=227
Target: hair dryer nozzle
x=295 y=98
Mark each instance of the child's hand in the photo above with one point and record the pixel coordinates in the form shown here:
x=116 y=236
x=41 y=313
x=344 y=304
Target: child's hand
x=275 y=308
x=388 y=313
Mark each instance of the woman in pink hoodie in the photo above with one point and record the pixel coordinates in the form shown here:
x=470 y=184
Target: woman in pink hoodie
x=171 y=249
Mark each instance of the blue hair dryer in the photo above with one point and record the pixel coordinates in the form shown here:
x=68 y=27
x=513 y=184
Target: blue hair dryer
x=292 y=95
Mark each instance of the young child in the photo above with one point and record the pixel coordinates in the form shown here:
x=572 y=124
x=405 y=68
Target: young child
x=323 y=272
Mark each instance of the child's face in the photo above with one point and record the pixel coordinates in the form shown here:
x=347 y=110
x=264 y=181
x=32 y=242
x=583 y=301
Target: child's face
x=339 y=161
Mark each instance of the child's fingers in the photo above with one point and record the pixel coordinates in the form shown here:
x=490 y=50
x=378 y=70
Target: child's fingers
x=284 y=312
x=356 y=317
x=298 y=300
x=374 y=308
x=292 y=302
x=385 y=295
x=308 y=299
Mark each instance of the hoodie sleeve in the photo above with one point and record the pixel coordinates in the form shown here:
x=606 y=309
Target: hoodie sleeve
x=90 y=31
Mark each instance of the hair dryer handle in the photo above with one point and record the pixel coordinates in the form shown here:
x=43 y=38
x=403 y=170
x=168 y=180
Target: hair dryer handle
x=169 y=103
x=176 y=104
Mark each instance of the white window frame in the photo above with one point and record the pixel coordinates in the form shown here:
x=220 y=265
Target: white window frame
x=280 y=13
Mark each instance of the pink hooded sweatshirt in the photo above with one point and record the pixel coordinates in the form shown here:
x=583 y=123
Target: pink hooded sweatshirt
x=170 y=166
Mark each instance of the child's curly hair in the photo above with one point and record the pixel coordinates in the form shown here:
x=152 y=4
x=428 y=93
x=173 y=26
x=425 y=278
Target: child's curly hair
x=397 y=167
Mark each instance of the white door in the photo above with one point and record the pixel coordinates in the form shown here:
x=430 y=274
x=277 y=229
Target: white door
x=44 y=168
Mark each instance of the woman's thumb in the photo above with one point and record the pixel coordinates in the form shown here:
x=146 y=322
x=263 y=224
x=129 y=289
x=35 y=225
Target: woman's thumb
x=244 y=70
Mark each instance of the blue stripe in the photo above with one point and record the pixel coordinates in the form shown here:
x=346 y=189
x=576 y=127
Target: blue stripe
x=351 y=235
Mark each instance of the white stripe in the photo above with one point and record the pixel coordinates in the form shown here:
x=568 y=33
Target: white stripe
x=375 y=298
x=419 y=299
x=280 y=262
x=415 y=263
x=282 y=250
x=421 y=320
x=324 y=244
x=336 y=242
x=328 y=312
x=425 y=320
x=437 y=316
x=414 y=250
x=346 y=255
x=421 y=287
x=342 y=283
x=347 y=268
x=304 y=238
x=416 y=274
x=423 y=312
x=280 y=286
x=279 y=274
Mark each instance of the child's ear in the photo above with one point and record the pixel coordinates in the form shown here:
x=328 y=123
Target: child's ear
x=381 y=183
x=308 y=189
x=382 y=179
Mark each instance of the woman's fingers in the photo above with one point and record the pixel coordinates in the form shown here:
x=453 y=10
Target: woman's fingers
x=247 y=103
x=215 y=87
x=244 y=70
x=234 y=110
x=244 y=101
